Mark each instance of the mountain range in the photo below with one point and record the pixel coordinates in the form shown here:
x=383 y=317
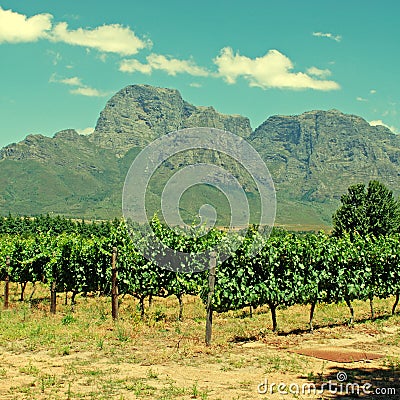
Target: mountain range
x=312 y=157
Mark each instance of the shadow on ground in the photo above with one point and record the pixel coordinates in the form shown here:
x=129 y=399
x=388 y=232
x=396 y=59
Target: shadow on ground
x=353 y=383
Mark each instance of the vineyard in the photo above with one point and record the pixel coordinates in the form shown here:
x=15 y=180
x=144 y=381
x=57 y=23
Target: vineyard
x=290 y=269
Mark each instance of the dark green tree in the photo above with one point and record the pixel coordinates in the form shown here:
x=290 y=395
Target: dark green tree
x=371 y=210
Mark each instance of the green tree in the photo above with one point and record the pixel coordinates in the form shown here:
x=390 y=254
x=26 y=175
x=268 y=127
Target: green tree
x=367 y=210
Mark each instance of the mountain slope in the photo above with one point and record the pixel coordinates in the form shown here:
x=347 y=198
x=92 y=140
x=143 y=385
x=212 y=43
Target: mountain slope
x=313 y=158
x=66 y=174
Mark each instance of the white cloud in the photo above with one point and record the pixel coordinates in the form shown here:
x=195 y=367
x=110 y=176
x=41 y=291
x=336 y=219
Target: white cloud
x=359 y=98
x=114 y=38
x=80 y=89
x=171 y=66
x=106 y=38
x=195 y=85
x=134 y=66
x=336 y=38
x=85 y=131
x=18 y=28
x=89 y=92
x=74 y=81
x=320 y=73
x=372 y=91
x=273 y=70
x=380 y=122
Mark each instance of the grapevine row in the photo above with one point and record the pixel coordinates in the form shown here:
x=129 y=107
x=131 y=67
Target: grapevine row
x=290 y=269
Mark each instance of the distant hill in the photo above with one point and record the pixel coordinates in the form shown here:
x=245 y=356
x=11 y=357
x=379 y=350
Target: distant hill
x=313 y=158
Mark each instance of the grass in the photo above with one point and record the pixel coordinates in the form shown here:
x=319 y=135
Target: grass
x=85 y=355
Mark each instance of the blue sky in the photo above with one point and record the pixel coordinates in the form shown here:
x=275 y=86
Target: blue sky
x=60 y=61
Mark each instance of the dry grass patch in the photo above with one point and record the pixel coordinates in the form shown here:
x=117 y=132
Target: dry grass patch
x=85 y=355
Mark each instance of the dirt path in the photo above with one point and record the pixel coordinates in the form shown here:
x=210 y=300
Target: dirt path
x=233 y=373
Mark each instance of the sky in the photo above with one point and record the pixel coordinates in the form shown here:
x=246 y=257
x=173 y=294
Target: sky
x=60 y=61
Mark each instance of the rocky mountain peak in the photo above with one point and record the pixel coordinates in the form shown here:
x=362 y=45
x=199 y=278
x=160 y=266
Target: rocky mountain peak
x=139 y=114
x=67 y=134
x=315 y=156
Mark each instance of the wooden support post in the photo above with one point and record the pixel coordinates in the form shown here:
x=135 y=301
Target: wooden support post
x=211 y=284
x=7 y=284
x=53 y=296
x=114 y=285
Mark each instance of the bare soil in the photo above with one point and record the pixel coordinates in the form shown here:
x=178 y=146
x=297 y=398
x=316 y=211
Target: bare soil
x=167 y=359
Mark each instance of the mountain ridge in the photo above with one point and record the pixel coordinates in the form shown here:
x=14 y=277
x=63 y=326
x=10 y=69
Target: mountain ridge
x=313 y=157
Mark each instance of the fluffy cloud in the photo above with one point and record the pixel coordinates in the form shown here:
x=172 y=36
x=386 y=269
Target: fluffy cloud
x=320 y=73
x=81 y=88
x=273 y=70
x=107 y=38
x=171 y=66
x=134 y=66
x=73 y=81
x=359 y=98
x=380 y=122
x=115 y=38
x=89 y=92
x=17 y=28
x=336 y=38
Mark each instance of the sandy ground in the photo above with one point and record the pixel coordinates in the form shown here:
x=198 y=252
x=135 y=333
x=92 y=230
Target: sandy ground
x=203 y=373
